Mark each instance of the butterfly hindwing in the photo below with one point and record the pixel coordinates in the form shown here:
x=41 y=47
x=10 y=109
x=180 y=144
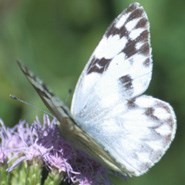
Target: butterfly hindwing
x=135 y=133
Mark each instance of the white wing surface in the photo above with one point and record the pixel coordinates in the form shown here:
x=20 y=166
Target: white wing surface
x=120 y=67
x=136 y=133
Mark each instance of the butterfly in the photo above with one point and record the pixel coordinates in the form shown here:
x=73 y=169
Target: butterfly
x=110 y=118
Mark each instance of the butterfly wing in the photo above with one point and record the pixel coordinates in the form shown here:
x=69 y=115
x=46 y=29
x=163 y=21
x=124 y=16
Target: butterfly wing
x=121 y=64
x=54 y=104
x=136 y=133
x=107 y=104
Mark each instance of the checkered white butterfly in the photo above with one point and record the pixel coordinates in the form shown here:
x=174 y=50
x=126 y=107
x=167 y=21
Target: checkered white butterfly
x=110 y=118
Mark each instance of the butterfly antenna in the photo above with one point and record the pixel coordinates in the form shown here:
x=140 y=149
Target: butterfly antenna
x=29 y=104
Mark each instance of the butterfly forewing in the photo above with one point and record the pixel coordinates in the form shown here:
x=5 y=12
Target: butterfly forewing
x=54 y=104
x=121 y=64
x=110 y=118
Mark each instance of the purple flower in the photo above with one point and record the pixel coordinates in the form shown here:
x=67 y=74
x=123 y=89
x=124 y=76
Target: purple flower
x=25 y=142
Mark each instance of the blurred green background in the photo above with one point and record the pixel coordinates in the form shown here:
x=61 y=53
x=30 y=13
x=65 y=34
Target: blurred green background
x=55 y=39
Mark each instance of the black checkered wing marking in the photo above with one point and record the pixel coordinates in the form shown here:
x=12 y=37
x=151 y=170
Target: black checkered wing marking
x=130 y=30
x=121 y=63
